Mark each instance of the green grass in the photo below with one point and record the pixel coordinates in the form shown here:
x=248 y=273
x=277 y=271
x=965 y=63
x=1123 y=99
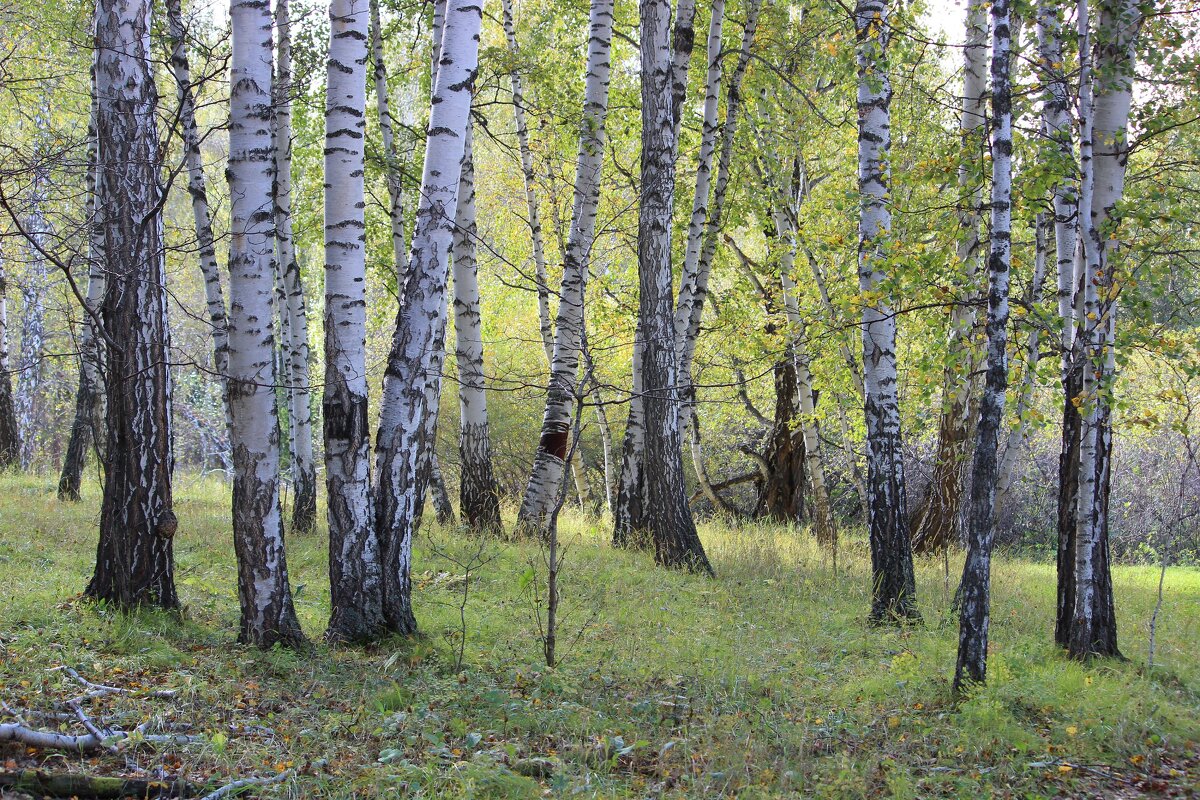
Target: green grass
x=764 y=682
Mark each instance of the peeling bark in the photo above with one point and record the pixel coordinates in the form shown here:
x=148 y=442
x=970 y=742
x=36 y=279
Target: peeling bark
x=549 y=461
x=134 y=557
x=893 y=587
x=267 y=614
x=401 y=446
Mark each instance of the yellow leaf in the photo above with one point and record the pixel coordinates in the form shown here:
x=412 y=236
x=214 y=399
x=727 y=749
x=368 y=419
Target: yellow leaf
x=1072 y=730
x=1065 y=768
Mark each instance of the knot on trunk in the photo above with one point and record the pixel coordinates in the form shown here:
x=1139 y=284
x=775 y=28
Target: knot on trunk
x=168 y=523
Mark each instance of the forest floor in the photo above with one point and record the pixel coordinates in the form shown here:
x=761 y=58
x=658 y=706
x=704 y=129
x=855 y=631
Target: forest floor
x=763 y=682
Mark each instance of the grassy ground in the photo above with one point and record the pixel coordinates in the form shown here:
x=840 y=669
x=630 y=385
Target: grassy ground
x=764 y=682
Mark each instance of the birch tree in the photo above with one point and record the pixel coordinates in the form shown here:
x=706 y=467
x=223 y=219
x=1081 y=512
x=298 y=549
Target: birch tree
x=86 y=427
x=669 y=522
x=479 y=497
x=935 y=522
x=33 y=309
x=533 y=214
x=893 y=586
x=267 y=614
x=392 y=166
x=134 y=557
x=10 y=437
x=294 y=308
x=355 y=571
x=975 y=588
x=401 y=444
x=1106 y=93
x=549 y=465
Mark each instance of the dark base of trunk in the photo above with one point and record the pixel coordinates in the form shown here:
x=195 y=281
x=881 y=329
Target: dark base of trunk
x=348 y=626
x=75 y=460
x=782 y=495
x=10 y=437
x=304 y=510
x=934 y=526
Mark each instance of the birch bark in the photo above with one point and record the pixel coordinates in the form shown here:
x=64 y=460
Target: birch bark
x=33 y=312
x=294 y=308
x=86 y=428
x=10 y=437
x=355 y=568
x=935 y=523
x=267 y=613
x=479 y=498
x=669 y=522
x=134 y=557
x=893 y=587
x=392 y=165
x=975 y=588
x=1106 y=93
x=549 y=464
x=401 y=446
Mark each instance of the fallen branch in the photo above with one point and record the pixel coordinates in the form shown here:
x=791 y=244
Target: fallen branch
x=230 y=789
x=49 y=740
x=46 y=784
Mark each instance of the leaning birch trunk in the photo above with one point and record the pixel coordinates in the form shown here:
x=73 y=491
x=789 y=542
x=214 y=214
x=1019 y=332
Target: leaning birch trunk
x=1018 y=435
x=355 y=569
x=533 y=215
x=935 y=522
x=294 y=306
x=893 y=586
x=823 y=520
x=10 y=437
x=134 y=557
x=1104 y=152
x=392 y=166
x=400 y=448
x=669 y=522
x=975 y=588
x=479 y=498
x=268 y=616
x=89 y=396
x=704 y=226
x=197 y=189
x=549 y=461
x=33 y=314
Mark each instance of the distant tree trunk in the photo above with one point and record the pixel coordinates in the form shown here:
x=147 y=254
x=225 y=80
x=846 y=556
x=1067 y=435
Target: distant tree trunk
x=1104 y=152
x=33 y=313
x=935 y=523
x=975 y=588
x=893 y=586
x=782 y=495
x=704 y=226
x=531 y=204
x=479 y=498
x=355 y=568
x=629 y=512
x=294 y=306
x=268 y=616
x=89 y=395
x=134 y=558
x=391 y=157
x=1018 y=435
x=10 y=437
x=669 y=522
x=401 y=448
x=549 y=461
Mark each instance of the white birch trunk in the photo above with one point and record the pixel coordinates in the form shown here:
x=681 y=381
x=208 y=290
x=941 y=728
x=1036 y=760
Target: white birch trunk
x=1104 y=119
x=355 y=568
x=401 y=447
x=704 y=226
x=33 y=313
x=975 y=588
x=893 y=584
x=198 y=191
x=268 y=616
x=392 y=165
x=549 y=461
x=294 y=305
x=533 y=215
x=479 y=497
x=935 y=523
